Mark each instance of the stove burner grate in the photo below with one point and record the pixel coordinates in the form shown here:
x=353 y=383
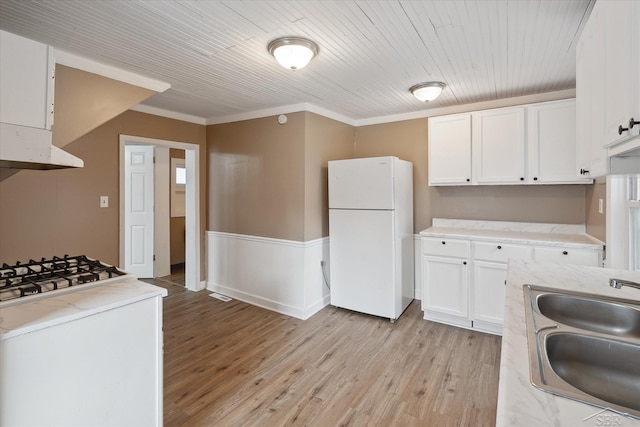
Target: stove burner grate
x=37 y=277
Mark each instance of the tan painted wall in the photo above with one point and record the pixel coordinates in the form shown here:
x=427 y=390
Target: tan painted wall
x=595 y=221
x=256 y=177
x=325 y=140
x=270 y=180
x=408 y=141
x=45 y=213
x=85 y=101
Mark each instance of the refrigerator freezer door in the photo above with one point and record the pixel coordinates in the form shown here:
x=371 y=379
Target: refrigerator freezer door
x=361 y=183
x=362 y=261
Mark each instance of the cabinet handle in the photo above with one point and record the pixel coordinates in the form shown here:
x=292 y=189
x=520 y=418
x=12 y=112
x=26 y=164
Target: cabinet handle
x=584 y=171
x=468 y=180
x=499 y=247
x=521 y=178
x=464 y=262
x=444 y=243
x=535 y=178
x=565 y=253
x=621 y=129
x=633 y=122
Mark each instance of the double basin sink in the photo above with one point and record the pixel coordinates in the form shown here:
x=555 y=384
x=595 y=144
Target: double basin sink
x=585 y=347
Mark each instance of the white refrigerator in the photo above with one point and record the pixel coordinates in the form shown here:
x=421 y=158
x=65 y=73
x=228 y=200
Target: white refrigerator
x=371 y=247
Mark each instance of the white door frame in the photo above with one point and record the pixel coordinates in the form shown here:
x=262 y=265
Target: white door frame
x=193 y=281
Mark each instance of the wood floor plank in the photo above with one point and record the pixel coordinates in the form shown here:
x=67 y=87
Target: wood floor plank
x=233 y=364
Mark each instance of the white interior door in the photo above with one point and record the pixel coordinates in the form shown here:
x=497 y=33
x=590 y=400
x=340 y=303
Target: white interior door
x=139 y=211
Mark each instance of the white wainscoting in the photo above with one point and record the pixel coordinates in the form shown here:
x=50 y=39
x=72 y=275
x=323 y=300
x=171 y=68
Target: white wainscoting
x=417 y=263
x=280 y=275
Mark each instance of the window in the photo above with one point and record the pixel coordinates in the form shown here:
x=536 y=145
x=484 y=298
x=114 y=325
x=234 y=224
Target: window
x=178 y=186
x=181 y=175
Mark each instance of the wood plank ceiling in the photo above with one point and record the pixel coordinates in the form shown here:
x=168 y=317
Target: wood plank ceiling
x=214 y=55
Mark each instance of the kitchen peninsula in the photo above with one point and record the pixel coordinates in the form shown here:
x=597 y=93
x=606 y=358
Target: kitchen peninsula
x=519 y=402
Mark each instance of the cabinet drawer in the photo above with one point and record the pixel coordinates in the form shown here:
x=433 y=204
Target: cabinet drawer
x=567 y=255
x=500 y=252
x=445 y=247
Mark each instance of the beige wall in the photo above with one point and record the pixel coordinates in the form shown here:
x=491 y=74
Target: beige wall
x=45 y=213
x=84 y=101
x=256 y=177
x=325 y=140
x=408 y=141
x=595 y=221
x=270 y=180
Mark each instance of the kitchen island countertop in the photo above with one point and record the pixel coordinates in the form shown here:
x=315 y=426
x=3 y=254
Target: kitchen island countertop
x=519 y=402
x=30 y=316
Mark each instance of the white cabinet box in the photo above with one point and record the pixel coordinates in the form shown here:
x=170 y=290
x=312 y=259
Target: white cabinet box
x=608 y=84
x=463 y=278
x=450 y=146
x=445 y=264
x=26 y=82
x=529 y=144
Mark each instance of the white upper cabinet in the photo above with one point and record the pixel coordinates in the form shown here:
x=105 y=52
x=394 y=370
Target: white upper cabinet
x=608 y=83
x=527 y=144
x=26 y=82
x=498 y=146
x=551 y=143
x=450 y=145
x=621 y=71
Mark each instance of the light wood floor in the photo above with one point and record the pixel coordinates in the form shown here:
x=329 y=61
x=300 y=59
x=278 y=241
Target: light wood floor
x=233 y=364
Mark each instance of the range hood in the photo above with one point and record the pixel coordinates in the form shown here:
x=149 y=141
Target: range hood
x=23 y=147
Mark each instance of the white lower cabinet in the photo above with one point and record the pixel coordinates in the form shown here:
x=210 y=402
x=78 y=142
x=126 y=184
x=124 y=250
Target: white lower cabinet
x=487 y=295
x=445 y=270
x=464 y=280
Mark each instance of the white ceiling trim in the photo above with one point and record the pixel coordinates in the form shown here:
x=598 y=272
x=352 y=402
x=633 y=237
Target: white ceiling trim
x=88 y=65
x=476 y=106
x=285 y=109
x=295 y=108
x=142 y=108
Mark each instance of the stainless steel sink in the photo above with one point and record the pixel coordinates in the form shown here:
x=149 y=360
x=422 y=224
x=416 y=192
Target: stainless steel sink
x=597 y=315
x=585 y=347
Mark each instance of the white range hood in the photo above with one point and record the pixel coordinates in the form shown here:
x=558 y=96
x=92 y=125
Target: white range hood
x=23 y=147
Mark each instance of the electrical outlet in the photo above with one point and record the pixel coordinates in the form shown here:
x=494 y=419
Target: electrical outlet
x=104 y=201
x=600 y=206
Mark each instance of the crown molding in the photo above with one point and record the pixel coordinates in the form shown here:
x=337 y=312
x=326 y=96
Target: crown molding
x=94 y=67
x=294 y=108
x=142 y=108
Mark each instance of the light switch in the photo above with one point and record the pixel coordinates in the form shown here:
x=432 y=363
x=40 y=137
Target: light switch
x=104 y=201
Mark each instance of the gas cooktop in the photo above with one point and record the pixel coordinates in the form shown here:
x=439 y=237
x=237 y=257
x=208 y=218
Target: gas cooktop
x=34 y=278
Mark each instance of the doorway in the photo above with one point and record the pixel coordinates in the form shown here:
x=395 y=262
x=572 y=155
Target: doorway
x=192 y=206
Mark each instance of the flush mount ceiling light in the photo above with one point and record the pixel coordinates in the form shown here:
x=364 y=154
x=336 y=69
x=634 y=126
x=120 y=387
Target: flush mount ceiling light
x=293 y=52
x=426 y=92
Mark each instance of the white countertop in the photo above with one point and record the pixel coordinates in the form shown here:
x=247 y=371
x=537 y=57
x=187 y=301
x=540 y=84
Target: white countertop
x=514 y=232
x=519 y=402
x=42 y=313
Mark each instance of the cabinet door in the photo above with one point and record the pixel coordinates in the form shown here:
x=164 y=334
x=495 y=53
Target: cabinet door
x=498 y=146
x=621 y=40
x=450 y=150
x=552 y=147
x=26 y=69
x=590 y=95
x=488 y=291
x=445 y=286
